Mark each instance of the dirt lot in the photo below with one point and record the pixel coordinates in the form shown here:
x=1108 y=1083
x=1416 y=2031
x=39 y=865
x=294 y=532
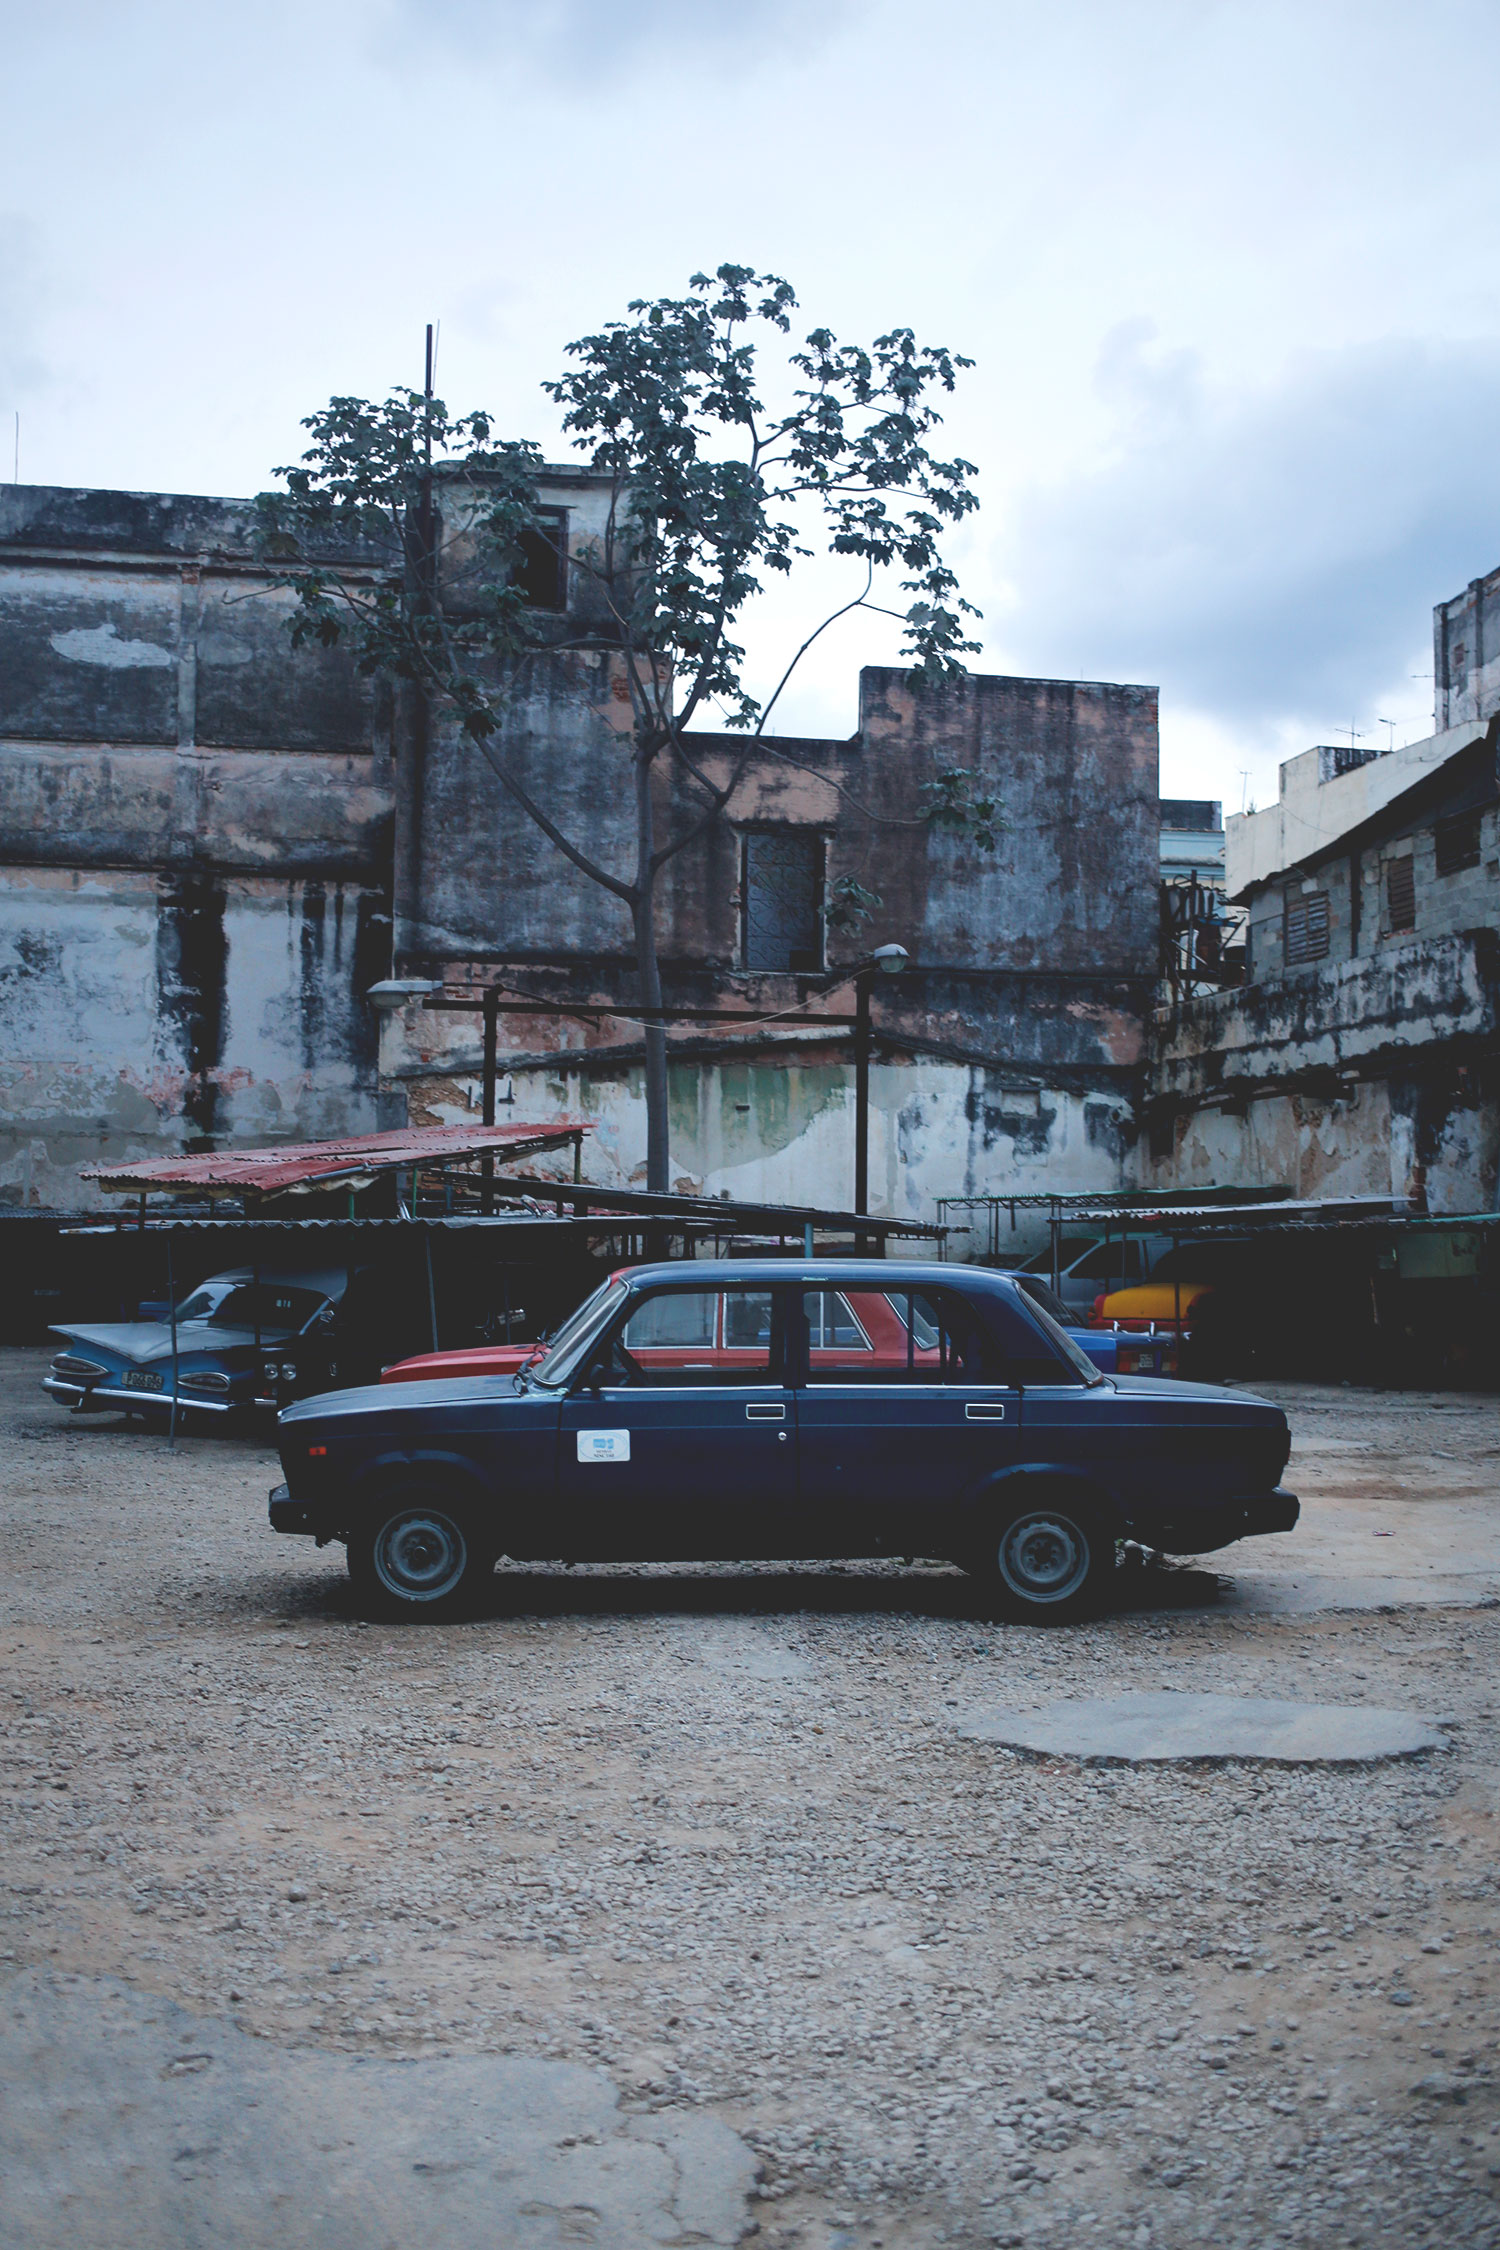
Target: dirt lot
x=714 y=1836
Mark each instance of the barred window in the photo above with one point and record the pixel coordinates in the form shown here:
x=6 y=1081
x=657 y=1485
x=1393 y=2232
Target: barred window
x=1457 y=839
x=782 y=890
x=1306 y=934
x=1401 y=893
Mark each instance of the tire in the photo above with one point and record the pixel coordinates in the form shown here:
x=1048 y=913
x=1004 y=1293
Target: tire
x=419 y=1555
x=1048 y=1561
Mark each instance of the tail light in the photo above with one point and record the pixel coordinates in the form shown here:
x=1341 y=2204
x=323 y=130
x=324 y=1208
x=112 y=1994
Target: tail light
x=1097 y=1319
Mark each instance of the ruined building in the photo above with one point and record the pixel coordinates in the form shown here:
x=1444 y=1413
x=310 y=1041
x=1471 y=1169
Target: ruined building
x=1362 y=1054
x=211 y=847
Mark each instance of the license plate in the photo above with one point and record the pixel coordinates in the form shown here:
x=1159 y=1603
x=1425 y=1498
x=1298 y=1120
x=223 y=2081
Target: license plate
x=138 y=1379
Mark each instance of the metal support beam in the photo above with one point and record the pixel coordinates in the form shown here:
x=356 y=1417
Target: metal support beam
x=862 y=1095
x=491 y=1043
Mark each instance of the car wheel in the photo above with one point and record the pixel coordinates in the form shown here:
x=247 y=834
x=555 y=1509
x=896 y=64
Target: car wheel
x=1048 y=1561
x=419 y=1556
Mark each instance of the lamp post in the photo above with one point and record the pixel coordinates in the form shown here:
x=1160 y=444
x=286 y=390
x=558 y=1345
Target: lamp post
x=888 y=961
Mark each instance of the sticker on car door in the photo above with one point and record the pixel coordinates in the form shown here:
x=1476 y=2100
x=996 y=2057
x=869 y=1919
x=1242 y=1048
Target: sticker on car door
x=604 y=1445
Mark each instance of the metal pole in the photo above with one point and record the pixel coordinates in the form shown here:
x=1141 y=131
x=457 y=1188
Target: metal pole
x=431 y=1290
x=491 y=1031
x=172 y=1315
x=862 y=1095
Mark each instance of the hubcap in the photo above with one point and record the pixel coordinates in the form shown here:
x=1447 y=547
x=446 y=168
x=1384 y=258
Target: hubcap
x=1044 y=1557
x=420 y=1555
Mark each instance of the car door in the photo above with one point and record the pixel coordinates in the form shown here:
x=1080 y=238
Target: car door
x=675 y=1446
x=903 y=1406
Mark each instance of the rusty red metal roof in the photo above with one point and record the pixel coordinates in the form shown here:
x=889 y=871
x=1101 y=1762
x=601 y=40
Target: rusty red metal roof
x=302 y=1164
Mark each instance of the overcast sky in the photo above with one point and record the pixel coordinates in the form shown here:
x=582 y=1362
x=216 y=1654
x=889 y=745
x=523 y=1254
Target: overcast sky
x=1228 y=272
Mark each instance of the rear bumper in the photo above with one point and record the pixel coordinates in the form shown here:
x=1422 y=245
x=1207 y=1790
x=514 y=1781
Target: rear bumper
x=140 y=1402
x=1200 y=1531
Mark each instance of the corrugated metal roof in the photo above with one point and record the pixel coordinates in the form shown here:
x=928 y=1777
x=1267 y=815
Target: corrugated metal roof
x=317 y=1163
x=1164 y=1216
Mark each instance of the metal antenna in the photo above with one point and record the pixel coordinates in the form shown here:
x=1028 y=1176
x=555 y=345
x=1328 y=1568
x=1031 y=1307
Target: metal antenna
x=1244 y=773
x=1355 y=734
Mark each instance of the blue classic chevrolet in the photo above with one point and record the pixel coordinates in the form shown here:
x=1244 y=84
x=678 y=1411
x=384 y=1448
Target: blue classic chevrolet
x=845 y=1408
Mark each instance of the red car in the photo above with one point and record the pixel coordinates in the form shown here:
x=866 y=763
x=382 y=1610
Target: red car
x=694 y=1330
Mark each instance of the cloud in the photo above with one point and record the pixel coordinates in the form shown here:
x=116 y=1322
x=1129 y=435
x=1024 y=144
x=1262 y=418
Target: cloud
x=1268 y=556
x=582 y=40
x=21 y=294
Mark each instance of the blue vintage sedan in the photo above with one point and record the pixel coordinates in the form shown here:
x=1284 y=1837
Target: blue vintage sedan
x=249 y=1337
x=987 y=1438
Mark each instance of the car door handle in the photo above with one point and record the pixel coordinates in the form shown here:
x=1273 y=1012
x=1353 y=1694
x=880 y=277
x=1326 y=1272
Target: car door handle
x=765 y=1413
x=975 y=1411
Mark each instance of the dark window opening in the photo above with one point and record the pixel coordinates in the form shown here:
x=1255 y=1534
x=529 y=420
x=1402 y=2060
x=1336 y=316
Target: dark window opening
x=1306 y=935
x=1457 y=838
x=782 y=892
x=542 y=573
x=1401 y=893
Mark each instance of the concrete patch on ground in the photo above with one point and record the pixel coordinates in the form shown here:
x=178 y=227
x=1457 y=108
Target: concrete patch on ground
x=130 y=2123
x=1150 y=1728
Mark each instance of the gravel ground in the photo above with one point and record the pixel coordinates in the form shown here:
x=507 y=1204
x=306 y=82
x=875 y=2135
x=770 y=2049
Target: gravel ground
x=716 y=1832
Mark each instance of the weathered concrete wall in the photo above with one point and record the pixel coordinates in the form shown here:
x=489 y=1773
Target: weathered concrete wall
x=1373 y=1076
x=1466 y=653
x=1311 y=813
x=195 y=840
x=1031 y=971
x=142 y=1014
x=201 y=835
x=781 y=1128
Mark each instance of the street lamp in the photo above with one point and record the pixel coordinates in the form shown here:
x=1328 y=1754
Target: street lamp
x=887 y=961
x=392 y=993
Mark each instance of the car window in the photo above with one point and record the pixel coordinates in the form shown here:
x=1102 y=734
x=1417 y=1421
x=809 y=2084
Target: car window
x=677 y=1316
x=266 y=1305
x=1041 y=1293
x=1075 y=1365
x=577 y=1335
x=631 y=1358
x=905 y=1336
x=201 y=1304
x=831 y=1324
x=1070 y=1247
x=1110 y=1261
x=747 y=1319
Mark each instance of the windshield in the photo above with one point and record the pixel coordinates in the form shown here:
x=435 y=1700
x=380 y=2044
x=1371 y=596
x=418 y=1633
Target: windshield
x=576 y=1336
x=1074 y=1354
x=1040 y=1294
x=249 y=1306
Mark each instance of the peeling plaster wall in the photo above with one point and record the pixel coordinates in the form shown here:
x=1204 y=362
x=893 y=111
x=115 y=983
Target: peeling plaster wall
x=1374 y=1076
x=140 y=1015
x=783 y=1130
x=204 y=837
x=195 y=840
x=1032 y=967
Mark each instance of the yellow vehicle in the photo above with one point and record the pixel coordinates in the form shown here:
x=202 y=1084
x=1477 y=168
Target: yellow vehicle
x=1166 y=1305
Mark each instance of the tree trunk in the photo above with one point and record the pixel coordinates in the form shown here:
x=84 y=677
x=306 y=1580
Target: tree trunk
x=657 y=1157
x=649 y=971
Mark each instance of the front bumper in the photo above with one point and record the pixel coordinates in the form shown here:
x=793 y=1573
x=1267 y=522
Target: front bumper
x=89 y=1395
